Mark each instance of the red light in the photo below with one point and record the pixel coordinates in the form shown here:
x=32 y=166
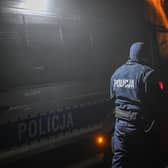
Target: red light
x=161 y=85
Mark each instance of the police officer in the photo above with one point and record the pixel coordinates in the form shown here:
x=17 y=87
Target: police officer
x=132 y=89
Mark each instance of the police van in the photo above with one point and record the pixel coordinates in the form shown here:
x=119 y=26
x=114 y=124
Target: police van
x=56 y=61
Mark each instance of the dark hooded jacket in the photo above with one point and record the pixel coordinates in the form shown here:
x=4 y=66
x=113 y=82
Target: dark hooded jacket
x=129 y=84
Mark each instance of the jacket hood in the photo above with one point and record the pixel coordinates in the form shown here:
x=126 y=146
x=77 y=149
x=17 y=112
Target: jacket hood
x=137 y=52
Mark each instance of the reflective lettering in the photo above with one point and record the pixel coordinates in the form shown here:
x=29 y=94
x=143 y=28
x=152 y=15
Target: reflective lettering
x=55 y=120
x=48 y=124
x=32 y=128
x=124 y=83
x=70 y=122
x=62 y=126
x=44 y=125
x=41 y=131
x=21 y=129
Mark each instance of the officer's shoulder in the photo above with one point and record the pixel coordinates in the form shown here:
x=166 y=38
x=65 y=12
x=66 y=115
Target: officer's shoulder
x=118 y=69
x=147 y=68
x=148 y=72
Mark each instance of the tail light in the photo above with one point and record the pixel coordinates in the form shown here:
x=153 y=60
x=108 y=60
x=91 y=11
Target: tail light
x=161 y=85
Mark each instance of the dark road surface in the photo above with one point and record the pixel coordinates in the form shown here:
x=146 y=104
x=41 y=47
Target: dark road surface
x=73 y=156
x=92 y=162
x=51 y=159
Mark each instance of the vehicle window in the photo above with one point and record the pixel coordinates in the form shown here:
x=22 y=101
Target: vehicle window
x=40 y=50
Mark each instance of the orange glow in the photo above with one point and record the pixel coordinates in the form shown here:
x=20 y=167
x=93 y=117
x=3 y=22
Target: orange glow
x=100 y=140
x=163 y=43
x=159 y=15
x=155 y=12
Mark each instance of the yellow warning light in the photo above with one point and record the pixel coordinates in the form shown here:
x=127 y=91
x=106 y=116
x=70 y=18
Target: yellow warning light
x=100 y=140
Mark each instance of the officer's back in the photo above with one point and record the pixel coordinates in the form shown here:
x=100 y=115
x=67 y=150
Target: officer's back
x=130 y=89
x=129 y=82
